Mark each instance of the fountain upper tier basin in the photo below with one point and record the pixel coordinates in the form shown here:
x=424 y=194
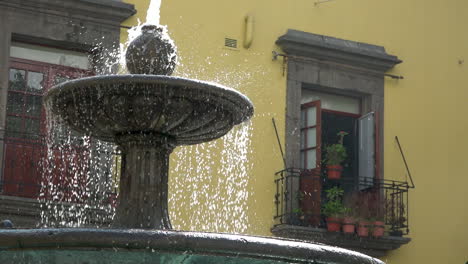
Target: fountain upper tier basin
x=93 y=246
x=184 y=111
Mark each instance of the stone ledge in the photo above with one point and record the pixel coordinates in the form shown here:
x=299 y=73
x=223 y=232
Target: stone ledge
x=375 y=247
x=112 y=11
x=26 y=212
x=337 y=50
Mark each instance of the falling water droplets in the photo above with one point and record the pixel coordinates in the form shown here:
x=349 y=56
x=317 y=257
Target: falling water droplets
x=209 y=184
x=78 y=183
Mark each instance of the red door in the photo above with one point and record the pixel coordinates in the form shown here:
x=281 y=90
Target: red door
x=25 y=151
x=310 y=182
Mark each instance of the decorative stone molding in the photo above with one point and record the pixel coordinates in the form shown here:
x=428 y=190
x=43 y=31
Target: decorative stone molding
x=337 y=50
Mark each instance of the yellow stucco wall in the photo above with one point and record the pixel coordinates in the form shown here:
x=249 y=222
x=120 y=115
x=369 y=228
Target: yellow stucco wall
x=426 y=110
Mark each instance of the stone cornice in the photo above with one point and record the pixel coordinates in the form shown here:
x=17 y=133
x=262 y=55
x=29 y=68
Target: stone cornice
x=337 y=50
x=114 y=12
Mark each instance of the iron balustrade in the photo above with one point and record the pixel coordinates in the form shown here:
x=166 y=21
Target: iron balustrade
x=302 y=206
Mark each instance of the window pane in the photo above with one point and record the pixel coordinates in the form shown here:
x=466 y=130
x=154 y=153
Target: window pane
x=311 y=159
x=366 y=150
x=33 y=105
x=17 y=80
x=35 y=81
x=311 y=137
x=311 y=116
x=15 y=103
x=333 y=102
x=13 y=125
x=302 y=160
x=50 y=55
x=32 y=128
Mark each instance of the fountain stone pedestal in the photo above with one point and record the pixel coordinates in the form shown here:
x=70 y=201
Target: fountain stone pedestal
x=145 y=164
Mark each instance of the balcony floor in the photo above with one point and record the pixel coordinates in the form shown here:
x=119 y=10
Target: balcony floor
x=375 y=247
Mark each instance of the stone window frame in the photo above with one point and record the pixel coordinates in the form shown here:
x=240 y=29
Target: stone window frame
x=336 y=66
x=341 y=67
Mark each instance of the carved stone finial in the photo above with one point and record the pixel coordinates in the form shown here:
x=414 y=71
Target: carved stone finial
x=152 y=52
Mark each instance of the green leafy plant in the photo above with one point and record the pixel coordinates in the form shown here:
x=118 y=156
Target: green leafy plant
x=336 y=153
x=348 y=212
x=300 y=195
x=334 y=193
x=334 y=207
x=352 y=204
x=297 y=211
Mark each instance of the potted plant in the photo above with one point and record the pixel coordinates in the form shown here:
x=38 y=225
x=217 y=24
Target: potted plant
x=349 y=222
x=335 y=155
x=333 y=209
x=363 y=227
x=349 y=214
x=364 y=216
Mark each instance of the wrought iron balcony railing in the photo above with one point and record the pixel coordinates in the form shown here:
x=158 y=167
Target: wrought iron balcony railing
x=301 y=195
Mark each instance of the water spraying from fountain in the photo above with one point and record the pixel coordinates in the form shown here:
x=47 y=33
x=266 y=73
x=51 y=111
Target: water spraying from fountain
x=153 y=13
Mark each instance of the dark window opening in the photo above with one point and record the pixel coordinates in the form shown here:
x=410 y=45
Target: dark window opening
x=320 y=128
x=332 y=124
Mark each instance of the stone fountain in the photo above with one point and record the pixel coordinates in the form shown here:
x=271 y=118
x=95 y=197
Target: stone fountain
x=147 y=114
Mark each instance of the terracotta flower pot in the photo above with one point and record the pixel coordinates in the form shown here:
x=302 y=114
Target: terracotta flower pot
x=363 y=228
x=334 y=171
x=379 y=228
x=333 y=224
x=349 y=225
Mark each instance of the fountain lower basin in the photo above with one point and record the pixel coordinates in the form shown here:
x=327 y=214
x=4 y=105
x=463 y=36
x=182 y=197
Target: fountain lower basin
x=93 y=246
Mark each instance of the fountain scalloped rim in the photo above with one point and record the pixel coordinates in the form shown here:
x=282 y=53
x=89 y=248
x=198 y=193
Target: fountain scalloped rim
x=199 y=99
